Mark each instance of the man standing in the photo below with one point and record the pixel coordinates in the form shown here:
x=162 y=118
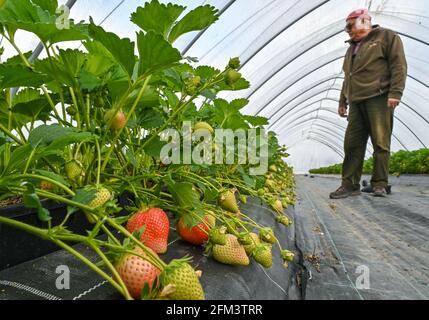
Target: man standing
x=375 y=71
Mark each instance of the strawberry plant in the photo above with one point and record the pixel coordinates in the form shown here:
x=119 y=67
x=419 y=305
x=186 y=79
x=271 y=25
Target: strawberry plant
x=86 y=126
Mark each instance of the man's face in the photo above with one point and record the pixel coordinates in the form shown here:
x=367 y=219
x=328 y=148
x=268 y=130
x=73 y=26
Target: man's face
x=355 y=33
x=351 y=27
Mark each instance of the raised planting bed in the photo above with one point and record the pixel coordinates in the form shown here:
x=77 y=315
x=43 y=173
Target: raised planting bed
x=36 y=279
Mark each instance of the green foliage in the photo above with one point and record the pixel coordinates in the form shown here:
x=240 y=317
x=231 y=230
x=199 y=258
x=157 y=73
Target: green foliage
x=197 y=19
x=401 y=162
x=38 y=17
x=155 y=53
x=162 y=19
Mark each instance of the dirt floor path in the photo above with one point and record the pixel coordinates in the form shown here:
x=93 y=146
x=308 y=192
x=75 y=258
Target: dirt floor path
x=364 y=247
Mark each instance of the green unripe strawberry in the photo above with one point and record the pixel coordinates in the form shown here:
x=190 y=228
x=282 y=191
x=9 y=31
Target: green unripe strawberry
x=277 y=206
x=232 y=77
x=267 y=235
x=196 y=81
x=71 y=110
x=117 y=121
x=101 y=197
x=263 y=255
x=269 y=184
x=234 y=63
x=243 y=199
x=184 y=280
x=286 y=198
x=273 y=168
x=261 y=192
x=255 y=241
x=287 y=255
x=74 y=170
x=232 y=252
x=99 y=102
x=228 y=202
x=283 y=220
x=284 y=204
x=203 y=126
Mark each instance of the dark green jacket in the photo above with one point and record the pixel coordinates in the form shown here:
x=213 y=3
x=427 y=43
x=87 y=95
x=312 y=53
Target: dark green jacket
x=380 y=66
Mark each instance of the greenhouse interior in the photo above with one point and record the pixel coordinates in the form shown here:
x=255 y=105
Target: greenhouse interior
x=214 y=150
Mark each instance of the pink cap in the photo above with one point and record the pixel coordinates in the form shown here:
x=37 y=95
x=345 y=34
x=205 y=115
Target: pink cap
x=360 y=13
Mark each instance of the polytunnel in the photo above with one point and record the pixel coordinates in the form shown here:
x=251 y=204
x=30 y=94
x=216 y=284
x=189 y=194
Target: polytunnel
x=84 y=104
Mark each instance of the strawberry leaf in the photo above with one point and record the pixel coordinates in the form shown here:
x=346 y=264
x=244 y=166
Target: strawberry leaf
x=154 y=147
x=228 y=115
x=56 y=137
x=85 y=196
x=66 y=67
x=18 y=158
x=88 y=81
x=37 y=17
x=150 y=119
x=31 y=200
x=31 y=103
x=122 y=50
x=198 y=19
x=157 y=17
x=184 y=194
x=48 y=5
x=256 y=121
x=206 y=72
x=19 y=76
x=155 y=53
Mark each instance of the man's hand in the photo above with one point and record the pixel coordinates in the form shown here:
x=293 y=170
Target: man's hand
x=342 y=110
x=393 y=103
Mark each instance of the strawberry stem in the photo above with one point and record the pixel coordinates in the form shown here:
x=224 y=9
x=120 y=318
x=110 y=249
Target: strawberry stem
x=97 y=145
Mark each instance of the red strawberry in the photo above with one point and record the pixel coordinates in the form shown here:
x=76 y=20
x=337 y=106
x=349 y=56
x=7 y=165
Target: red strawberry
x=157 y=226
x=196 y=235
x=136 y=272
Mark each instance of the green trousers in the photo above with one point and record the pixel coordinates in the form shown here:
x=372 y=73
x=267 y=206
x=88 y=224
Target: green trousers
x=370 y=118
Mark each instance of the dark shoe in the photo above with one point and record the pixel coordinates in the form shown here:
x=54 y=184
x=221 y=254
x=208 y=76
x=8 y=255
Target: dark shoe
x=343 y=192
x=356 y=191
x=370 y=189
x=380 y=192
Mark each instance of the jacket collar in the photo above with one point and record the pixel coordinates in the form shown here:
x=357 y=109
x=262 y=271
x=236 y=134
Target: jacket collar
x=375 y=29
